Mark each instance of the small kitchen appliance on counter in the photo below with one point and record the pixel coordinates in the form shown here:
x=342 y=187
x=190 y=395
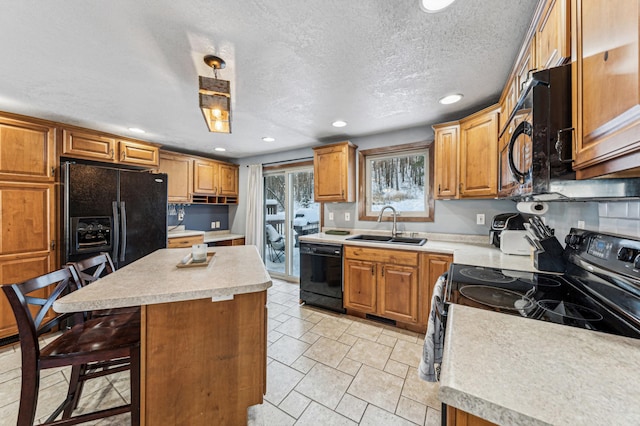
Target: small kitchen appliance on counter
x=507 y=222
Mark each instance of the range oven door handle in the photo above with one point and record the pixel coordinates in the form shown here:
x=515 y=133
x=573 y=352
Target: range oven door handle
x=116 y=229
x=524 y=128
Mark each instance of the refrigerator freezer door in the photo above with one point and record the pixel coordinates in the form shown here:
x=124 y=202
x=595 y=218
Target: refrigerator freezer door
x=144 y=196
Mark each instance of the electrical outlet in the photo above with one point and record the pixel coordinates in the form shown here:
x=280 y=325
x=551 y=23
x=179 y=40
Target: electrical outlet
x=480 y=219
x=581 y=224
x=213 y=225
x=217 y=224
x=180 y=215
x=330 y=215
x=347 y=216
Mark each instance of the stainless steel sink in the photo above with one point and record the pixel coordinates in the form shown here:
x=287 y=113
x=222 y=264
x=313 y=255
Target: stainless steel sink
x=388 y=239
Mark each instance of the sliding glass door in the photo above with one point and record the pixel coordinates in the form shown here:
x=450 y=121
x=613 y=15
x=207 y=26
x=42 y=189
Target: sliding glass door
x=289 y=213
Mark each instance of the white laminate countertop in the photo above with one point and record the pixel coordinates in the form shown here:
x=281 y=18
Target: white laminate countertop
x=466 y=249
x=517 y=371
x=156 y=279
x=209 y=236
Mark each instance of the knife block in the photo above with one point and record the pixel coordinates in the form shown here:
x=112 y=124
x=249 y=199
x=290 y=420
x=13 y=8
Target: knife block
x=549 y=259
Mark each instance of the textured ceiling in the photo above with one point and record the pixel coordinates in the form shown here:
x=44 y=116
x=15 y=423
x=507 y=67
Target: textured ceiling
x=295 y=66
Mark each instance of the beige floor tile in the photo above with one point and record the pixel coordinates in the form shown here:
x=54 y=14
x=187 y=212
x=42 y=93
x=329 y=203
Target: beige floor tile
x=351 y=407
x=106 y=397
x=280 y=381
x=400 y=334
x=294 y=327
x=10 y=391
x=433 y=417
x=299 y=312
x=275 y=309
x=418 y=390
x=294 y=404
x=411 y=410
x=303 y=364
x=9 y=359
x=316 y=415
x=324 y=385
x=287 y=349
x=9 y=414
x=310 y=337
x=273 y=416
x=375 y=416
x=377 y=387
x=314 y=316
x=407 y=353
x=272 y=324
x=370 y=353
x=364 y=331
x=330 y=327
x=396 y=368
x=349 y=366
x=9 y=375
x=273 y=336
x=120 y=420
x=348 y=339
x=327 y=351
x=387 y=340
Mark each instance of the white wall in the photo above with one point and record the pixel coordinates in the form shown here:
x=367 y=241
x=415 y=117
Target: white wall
x=453 y=216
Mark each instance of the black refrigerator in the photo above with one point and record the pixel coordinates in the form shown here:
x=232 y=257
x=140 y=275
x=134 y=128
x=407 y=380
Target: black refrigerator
x=119 y=211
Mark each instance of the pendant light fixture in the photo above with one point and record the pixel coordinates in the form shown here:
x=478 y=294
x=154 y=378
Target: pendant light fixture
x=215 y=98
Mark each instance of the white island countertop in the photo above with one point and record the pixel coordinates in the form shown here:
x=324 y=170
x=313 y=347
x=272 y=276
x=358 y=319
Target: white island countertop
x=156 y=279
x=518 y=371
x=466 y=249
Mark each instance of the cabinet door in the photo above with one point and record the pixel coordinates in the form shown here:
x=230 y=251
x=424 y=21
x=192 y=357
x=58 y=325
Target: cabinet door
x=205 y=180
x=553 y=35
x=398 y=292
x=27 y=151
x=138 y=154
x=334 y=173
x=524 y=69
x=432 y=266
x=27 y=239
x=87 y=145
x=606 y=86
x=179 y=170
x=360 y=285
x=446 y=161
x=479 y=156
x=228 y=179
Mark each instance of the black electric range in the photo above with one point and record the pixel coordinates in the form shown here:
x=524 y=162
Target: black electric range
x=599 y=290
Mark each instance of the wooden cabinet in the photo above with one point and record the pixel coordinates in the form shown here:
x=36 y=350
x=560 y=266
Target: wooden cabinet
x=446 y=140
x=228 y=179
x=182 y=242
x=334 y=168
x=606 y=87
x=179 y=170
x=90 y=145
x=457 y=417
x=233 y=242
x=479 y=154
x=431 y=267
x=205 y=177
x=382 y=282
x=214 y=182
x=552 y=38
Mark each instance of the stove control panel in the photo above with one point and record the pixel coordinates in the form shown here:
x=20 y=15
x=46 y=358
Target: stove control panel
x=599 y=247
x=613 y=252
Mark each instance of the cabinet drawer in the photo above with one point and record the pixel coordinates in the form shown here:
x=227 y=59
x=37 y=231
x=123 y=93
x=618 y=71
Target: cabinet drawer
x=399 y=257
x=181 y=242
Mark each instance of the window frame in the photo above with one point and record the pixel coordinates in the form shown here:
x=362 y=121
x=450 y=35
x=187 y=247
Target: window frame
x=427 y=147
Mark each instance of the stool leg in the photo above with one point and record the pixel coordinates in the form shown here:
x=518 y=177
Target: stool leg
x=73 y=394
x=28 y=395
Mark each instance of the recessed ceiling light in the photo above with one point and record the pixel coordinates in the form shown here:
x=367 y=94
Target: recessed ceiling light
x=268 y=139
x=450 y=99
x=339 y=123
x=220 y=149
x=432 y=6
x=136 y=130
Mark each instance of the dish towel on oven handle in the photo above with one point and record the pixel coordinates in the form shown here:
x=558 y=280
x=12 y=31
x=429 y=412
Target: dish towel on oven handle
x=429 y=368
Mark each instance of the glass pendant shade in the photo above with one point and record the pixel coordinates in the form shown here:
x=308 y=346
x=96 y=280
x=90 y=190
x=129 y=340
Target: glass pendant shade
x=215 y=103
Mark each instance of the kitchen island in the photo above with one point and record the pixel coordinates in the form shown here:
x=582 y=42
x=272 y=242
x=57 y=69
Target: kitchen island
x=203 y=332
x=517 y=371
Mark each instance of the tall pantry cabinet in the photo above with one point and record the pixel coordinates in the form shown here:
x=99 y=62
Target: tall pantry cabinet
x=27 y=205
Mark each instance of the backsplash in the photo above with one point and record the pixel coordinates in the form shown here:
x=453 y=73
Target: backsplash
x=620 y=217
x=198 y=217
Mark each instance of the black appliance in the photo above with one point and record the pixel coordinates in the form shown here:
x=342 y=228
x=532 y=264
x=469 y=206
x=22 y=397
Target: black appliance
x=123 y=212
x=599 y=289
x=506 y=222
x=321 y=275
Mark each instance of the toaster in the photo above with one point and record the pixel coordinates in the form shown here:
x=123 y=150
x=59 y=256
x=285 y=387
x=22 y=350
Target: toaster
x=506 y=222
x=513 y=242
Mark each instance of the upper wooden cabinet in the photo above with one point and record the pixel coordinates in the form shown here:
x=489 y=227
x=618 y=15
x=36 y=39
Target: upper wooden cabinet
x=100 y=147
x=552 y=38
x=334 y=169
x=446 y=140
x=27 y=150
x=214 y=182
x=606 y=87
x=479 y=154
x=228 y=179
x=179 y=169
x=205 y=178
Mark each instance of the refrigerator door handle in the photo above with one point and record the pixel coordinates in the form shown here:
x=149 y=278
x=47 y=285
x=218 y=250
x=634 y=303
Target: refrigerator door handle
x=123 y=219
x=116 y=230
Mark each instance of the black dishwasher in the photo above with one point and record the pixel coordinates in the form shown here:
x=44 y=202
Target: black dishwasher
x=321 y=275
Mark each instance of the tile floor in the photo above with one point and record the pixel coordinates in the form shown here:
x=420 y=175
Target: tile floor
x=323 y=369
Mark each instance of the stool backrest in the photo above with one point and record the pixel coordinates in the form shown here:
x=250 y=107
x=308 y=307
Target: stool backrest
x=90 y=270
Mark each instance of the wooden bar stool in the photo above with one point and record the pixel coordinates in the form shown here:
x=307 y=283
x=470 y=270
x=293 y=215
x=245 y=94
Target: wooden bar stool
x=90 y=270
x=93 y=348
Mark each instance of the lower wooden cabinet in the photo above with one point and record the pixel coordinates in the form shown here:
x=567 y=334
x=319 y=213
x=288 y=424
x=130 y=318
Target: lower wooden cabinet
x=182 y=242
x=431 y=267
x=457 y=417
x=233 y=242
